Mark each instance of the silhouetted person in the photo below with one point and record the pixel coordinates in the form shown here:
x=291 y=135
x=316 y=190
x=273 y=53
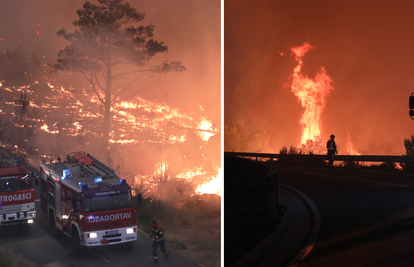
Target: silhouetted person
x=331 y=146
x=157 y=234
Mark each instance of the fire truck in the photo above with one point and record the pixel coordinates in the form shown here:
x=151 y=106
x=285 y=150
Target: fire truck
x=86 y=200
x=17 y=194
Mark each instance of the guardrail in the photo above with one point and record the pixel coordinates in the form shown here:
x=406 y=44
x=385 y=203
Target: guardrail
x=356 y=158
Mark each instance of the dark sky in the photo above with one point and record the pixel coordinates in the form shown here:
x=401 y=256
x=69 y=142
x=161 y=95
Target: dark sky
x=366 y=47
x=190 y=28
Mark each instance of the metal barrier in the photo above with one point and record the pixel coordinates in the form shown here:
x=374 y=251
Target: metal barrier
x=371 y=158
x=356 y=158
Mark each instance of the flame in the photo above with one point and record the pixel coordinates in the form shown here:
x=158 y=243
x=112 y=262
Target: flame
x=68 y=111
x=207 y=129
x=350 y=150
x=45 y=128
x=311 y=94
x=212 y=187
x=398 y=166
x=150 y=115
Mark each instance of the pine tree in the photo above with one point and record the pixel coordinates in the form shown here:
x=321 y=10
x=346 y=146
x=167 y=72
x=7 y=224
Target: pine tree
x=105 y=49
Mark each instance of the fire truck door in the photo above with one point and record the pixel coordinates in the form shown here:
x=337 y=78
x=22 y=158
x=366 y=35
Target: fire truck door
x=57 y=199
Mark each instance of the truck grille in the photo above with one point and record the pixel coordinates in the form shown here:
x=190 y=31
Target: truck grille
x=17 y=208
x=109 y=236
x=110 y=225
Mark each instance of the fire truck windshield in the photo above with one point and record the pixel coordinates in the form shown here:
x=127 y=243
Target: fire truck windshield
x=15 y=182
x=108 y=200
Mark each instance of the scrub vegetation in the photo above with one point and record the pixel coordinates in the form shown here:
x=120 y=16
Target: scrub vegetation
x=191 y=223
x=9 y=258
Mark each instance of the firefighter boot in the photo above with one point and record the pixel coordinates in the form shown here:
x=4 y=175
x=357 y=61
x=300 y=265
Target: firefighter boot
x=166 y=255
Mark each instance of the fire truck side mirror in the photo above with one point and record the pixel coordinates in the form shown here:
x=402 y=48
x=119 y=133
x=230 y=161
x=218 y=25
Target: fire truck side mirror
x=36 y=178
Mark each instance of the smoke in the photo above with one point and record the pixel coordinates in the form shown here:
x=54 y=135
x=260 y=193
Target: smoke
x=365 y=49
x=190 y=29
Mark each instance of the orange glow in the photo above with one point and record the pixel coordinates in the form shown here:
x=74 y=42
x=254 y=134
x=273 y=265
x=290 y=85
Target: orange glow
x=70 y=112
x=311 y=94
x=214 y=186
x=46 y=129
x=207 y=126
x=350 y=149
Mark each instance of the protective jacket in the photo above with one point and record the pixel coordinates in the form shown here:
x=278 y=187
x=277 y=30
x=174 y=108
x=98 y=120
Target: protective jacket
x=331 y=146
x=157 y=233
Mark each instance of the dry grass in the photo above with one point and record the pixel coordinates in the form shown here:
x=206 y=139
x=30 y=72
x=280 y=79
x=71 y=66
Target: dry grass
x=10 y=258
x=192 y=227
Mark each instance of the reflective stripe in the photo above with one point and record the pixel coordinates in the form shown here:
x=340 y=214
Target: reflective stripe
x=155 y=258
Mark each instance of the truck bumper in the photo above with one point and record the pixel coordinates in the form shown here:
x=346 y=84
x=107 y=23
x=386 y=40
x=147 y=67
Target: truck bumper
x=110 y=236
x=17 y=218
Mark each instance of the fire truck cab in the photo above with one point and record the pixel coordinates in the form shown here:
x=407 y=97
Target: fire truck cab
x=86 y=200
x=17 y=195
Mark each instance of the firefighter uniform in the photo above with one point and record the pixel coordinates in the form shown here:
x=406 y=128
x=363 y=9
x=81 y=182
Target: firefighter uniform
x=331 y=146
x=157 y=234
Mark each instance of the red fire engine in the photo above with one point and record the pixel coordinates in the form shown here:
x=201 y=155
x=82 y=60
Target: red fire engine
x=86 y=200
x=17 y=195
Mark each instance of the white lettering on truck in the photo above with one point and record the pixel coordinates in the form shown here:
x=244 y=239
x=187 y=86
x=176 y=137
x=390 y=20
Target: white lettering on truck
x=15 y=197
x=112 y=217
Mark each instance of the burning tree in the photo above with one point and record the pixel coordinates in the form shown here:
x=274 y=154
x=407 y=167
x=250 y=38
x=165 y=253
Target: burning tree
x=104 y=50
x=314 y=146
x=311 y=93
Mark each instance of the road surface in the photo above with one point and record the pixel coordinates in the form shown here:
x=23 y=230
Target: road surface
x=367 y=217
x=41 y=248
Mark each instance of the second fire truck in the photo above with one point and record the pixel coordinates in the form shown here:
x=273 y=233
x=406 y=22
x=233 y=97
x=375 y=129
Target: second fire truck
x=86 y=200
x=17 y=195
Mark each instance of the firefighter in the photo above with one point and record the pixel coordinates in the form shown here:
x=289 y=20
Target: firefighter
x=157 y=234
x=331 y=146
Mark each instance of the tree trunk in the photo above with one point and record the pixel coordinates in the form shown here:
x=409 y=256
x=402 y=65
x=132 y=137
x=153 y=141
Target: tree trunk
x=107 y=115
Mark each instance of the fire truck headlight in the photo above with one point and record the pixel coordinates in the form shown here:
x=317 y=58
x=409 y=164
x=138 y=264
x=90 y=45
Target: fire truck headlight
x=130 y=230
x=30 y=221
x=30 y=214
x=92 y=235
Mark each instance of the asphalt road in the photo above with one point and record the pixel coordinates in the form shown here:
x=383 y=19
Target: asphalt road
x=367 y=218
x=41 y=248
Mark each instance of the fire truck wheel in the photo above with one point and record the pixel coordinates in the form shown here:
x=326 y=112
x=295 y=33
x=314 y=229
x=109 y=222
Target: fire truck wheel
x=128 y=246
x=79 y=248
x=25 y=228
